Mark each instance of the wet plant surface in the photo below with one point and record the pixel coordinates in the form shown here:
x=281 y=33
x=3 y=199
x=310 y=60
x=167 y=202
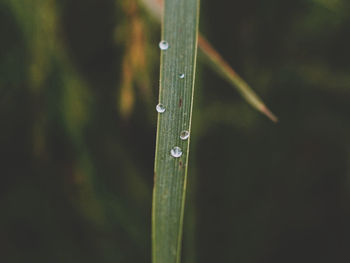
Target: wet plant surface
x=79 y=84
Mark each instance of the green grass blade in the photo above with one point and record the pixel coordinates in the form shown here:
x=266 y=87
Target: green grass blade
x=219 y=65
x=180 y=30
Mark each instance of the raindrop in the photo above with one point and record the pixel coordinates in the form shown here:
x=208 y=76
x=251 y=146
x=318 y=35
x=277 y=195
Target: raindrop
x=184 y=135
x=182 y=76
x=176 y=152
x=163 y=45
x=160 y=108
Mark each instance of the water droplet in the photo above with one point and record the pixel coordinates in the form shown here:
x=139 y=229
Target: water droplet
x=163 y=45
x=160 y=108
x=182 y=76
x=184 y=135
x=176 y=152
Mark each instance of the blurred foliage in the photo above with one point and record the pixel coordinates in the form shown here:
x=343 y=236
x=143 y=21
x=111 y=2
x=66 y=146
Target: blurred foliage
x=78 y=86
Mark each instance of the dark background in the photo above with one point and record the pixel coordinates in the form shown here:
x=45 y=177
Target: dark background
x=78 y=89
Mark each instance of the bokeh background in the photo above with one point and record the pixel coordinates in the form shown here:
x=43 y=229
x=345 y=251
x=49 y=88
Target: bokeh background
x=78 y=89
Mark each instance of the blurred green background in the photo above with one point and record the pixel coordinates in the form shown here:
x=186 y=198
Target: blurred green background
x=78 y=89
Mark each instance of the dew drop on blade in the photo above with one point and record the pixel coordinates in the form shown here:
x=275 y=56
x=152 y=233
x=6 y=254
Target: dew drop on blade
x=176 y=152
x=160 y=108
x=184 y=135
x=163 y=45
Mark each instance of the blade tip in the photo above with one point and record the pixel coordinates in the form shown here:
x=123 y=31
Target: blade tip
x=269 y=114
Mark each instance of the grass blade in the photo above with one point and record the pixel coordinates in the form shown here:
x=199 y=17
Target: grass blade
x=224 y=69
x=180 y=30
x=219 y=65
